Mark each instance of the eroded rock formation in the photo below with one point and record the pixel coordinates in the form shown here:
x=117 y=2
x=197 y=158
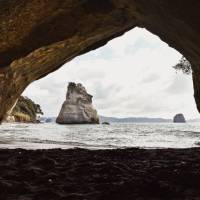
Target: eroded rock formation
x=39 y=36
x=25 y=110
x=77 y=108
x=179 y=118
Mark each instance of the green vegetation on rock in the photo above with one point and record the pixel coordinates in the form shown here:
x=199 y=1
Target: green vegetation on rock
x=26 y=110
x=184 y=65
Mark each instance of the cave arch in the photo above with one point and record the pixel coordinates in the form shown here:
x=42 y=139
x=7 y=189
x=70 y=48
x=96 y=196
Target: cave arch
x=37 y=37
x=121 y=76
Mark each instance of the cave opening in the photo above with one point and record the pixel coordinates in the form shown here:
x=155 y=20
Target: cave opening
x=127 y=77
x=131 y=77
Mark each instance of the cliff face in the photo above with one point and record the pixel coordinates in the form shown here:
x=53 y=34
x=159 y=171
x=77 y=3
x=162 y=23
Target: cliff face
x=77 y=108
x=25 y=110
x=37 y=37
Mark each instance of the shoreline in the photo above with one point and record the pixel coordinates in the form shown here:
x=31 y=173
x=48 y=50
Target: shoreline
x=118 y=174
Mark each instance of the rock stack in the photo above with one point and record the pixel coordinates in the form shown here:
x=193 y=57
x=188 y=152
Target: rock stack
x=77 y=108
x=179 y=118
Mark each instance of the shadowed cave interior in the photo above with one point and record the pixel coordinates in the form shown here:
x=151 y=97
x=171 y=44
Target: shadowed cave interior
x=38 y=37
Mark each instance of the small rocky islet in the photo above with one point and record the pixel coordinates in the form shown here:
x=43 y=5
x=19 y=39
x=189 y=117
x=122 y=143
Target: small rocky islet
x=179 y=118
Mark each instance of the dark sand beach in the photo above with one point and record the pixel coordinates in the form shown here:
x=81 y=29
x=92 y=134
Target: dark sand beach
x=100 y=175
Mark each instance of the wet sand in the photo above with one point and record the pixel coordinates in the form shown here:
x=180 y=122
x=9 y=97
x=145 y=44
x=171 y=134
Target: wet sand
x=127 y=174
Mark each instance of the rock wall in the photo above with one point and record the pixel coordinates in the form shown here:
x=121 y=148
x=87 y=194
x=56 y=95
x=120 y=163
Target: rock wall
x=77 y=108
x=39 y=36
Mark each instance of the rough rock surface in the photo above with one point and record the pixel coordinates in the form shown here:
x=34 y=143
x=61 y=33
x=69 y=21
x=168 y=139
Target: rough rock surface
x=37 y=37
x=77 y=108
x=179 y=118
x=78 y=174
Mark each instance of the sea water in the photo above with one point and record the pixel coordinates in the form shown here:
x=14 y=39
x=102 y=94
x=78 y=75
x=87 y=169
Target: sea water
x=143 y=135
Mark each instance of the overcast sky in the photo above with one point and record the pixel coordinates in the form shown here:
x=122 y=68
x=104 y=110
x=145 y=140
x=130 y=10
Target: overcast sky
x=130 y=76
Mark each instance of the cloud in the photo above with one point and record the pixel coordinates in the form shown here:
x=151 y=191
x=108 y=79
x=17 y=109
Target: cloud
x=130 y=76
x=180 y=85
x=150 y=78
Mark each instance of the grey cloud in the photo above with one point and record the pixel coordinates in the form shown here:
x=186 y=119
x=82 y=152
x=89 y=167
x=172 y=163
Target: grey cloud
x=103 y=92
x=180 y=85
x=104 y=52
x=140 y=44
x=150 y=78
x=91 y=74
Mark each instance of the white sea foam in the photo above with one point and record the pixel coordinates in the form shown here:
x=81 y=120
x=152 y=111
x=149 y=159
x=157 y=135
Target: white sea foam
x=147 y=135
